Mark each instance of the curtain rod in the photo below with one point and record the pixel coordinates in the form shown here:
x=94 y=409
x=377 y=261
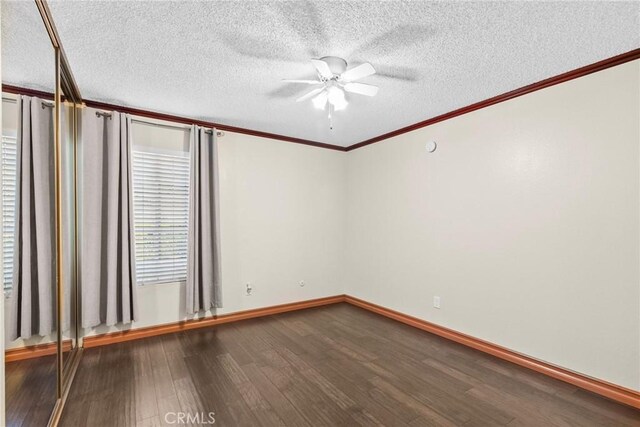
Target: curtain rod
x=136 y=120
x=162 y=125
x=15 y=101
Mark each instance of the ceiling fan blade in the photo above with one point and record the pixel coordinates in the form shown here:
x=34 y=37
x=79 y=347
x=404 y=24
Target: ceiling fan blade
x=322 y=68
x=309 y=82
x=359 y=72
x=361 y=89
x=310 y=94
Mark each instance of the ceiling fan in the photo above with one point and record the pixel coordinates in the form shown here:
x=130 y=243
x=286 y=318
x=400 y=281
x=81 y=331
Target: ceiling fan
x=335 y=80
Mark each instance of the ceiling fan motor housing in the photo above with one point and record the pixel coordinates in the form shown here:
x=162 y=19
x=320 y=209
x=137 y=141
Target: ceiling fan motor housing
x=336 y=65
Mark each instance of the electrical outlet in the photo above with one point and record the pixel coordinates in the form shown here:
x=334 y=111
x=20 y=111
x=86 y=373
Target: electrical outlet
x=436 y=302
x=249 y=289
x=301 y=283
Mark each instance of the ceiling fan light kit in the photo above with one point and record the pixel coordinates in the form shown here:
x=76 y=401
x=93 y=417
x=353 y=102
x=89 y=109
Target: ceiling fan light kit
x=320 y=101
x=335 y=79
x=336 y=98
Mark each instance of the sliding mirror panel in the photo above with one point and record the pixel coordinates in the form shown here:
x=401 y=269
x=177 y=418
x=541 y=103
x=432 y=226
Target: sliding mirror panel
x=39 y=214
x=69 y=230
x=28 y=251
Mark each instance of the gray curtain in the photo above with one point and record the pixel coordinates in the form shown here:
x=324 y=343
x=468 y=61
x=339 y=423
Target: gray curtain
x=33 y=296
x=203 y=259
x=108 y=278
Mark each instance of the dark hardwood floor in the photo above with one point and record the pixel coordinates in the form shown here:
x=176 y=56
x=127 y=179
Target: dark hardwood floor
x=331 y=366
x=30 y=390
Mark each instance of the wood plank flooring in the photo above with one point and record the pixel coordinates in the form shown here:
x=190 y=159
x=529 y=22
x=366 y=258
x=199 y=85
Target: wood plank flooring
x=331 y=366
x=30 y=390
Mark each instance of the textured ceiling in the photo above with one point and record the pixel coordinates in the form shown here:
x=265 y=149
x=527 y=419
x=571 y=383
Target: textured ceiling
x=27 y=54
x=223 y=61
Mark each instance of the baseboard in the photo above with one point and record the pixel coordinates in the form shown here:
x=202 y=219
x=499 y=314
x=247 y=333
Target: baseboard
x=603 y=388
x=133 y=334
x=32 y=351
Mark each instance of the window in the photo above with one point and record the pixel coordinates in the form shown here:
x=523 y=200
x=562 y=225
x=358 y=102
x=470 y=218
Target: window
x=8 y=190
x=161 y=203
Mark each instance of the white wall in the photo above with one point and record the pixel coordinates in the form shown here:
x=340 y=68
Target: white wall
x=525 y=222
x=282 y=221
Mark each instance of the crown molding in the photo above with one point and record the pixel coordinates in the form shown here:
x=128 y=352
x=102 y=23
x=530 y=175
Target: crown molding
x=18 y=90
x=551 y=81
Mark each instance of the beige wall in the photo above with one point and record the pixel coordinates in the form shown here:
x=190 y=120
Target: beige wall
x=282 y=221
x=525 y=222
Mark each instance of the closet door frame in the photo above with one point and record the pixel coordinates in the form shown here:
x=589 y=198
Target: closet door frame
x=66 y=90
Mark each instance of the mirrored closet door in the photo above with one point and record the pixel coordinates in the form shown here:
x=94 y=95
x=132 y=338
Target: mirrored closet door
x=38 y=255
x=69 y=231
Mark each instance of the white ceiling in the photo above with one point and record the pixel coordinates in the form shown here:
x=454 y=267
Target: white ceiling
x=223 y=61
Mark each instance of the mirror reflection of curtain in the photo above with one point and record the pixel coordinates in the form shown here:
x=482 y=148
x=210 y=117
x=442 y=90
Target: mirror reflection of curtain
x=108 y=278
x=33 y=293
x=68 y=213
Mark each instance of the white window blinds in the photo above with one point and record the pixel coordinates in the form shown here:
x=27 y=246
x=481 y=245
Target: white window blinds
x=161 y=211
x=8 y=189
